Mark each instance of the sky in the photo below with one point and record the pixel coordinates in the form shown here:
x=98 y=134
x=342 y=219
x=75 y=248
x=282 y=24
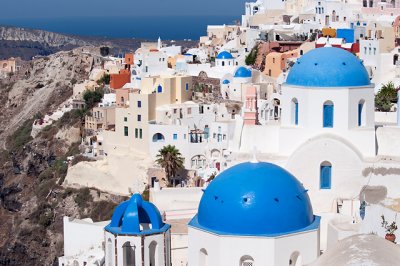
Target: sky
x=27 y=9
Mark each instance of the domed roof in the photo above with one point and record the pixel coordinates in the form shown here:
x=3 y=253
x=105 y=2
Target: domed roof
x=130 y=214
x=226 y=81
x=243 y=72
x=328 y=67
x=255 y=199
x=224 y=55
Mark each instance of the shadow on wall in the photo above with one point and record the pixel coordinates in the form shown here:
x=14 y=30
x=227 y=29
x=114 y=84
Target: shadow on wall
x=380 y=171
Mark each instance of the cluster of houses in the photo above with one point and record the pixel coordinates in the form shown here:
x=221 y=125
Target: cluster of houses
x=282 y=109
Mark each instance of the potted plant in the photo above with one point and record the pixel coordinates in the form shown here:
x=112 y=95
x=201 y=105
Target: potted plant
x=390 y=229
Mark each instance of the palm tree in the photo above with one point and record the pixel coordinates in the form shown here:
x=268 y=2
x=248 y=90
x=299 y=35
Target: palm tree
x=171 y=160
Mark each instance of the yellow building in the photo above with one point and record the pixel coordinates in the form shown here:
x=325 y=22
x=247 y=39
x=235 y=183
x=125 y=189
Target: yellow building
x=132 y=120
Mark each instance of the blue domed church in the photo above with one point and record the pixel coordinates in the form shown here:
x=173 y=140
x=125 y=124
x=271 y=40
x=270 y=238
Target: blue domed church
x=136 y=235
x=254 y=213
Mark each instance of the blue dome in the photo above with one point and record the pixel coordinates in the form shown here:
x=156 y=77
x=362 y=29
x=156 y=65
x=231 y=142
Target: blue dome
x=226 y=81
x=255 y=199
x=224 y=55
x=243 y=72
x=128 y=216
x=328 y=67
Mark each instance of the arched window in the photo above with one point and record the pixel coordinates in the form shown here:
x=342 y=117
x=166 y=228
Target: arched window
x=325 y=175
x=328 y=110
x=158 y=137
x=122 y=99
x=223 y=63
x=129 y=254
x=295 y=259
x=361 y=113
x=75 y=263
x=246 y=261
x=153 y=254
x=110 y=252
x=203 y=257
x=395 y=59
x=295 y=112
x=159 y=89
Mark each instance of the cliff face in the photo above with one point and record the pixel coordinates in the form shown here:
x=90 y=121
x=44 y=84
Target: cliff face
x=32 y=202
x=50 y=39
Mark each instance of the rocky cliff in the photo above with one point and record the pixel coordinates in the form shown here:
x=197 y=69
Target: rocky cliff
x=32 y=202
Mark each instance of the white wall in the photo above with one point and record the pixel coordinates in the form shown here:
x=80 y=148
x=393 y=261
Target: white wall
x=81 y=235
x=228 y=250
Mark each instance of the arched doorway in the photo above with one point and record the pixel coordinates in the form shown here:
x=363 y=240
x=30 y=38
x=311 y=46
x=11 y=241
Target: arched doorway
x=203 y=257
x=246 y=260
x=295 y=259
x=129 y=254
x=153 y=254
x=395 y=59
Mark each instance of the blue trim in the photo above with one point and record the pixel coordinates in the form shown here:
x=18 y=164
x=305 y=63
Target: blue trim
x=159 y=89
x=325 y=177
x=328 y=115
x=313 y=226
x=296 y=113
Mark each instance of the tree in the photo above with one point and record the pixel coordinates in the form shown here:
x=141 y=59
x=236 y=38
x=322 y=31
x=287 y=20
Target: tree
x=104 y=80
x=252 y=56
x=171 y=160
x=385 y=98
x=92 y=97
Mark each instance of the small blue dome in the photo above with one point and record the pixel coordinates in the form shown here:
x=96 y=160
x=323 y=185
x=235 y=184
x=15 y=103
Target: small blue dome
x=226 y=81
x=243 y=72
x=255 y=199
x=328 y=67
x=128 y=216
x=224 y=55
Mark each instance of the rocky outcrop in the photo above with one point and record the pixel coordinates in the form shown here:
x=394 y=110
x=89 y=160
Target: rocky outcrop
x=50 y=39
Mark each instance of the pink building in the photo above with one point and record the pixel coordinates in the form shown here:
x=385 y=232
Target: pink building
x=250 y=108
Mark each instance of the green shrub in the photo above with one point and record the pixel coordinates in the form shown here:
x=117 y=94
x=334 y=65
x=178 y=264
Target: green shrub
x=102 y=210
x=385 y=98
x=252 y=56
x=20 y=137
x=83 y=197
x=43 y=215
x=92 y=97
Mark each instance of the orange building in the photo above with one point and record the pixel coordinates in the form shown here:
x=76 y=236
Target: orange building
x=275 y=62
x=117 y=81
x=329 y=32
x=129 y=59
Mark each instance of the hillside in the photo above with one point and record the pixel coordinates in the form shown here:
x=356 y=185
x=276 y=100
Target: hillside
x=32 y=203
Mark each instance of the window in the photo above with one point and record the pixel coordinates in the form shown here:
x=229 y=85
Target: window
x=189 y=111
x=125 y=119
x=139 y=118
x=139 y=104
x=126 y=131
x=361 y=113
x=159 y=89
x=158 y=137
x=187 y=86
x=325 y=175
x=273 y=60
x=295 y=112
x=328 y=110
x=136 y=133
x=269 y=72
x=175 y=136
x=223 y=63
x=140 y=133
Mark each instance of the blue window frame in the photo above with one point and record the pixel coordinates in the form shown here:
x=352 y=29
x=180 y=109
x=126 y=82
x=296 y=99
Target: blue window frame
x=325 y=176
x=187 y=86
x=328 y=114
x=360 y=113
x=159 y=89
x=175 y=136
x=139 y=104
x=296 y=113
